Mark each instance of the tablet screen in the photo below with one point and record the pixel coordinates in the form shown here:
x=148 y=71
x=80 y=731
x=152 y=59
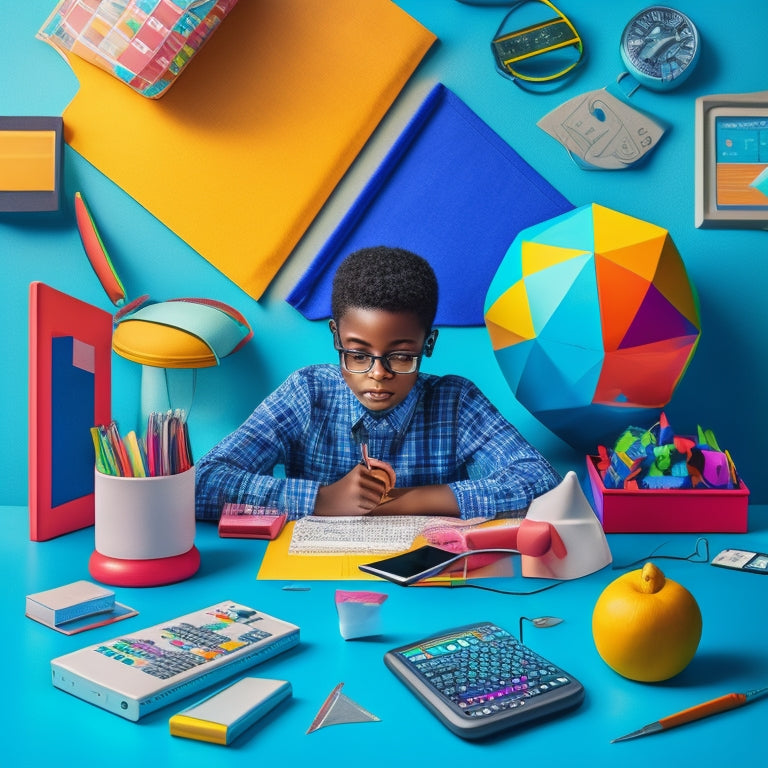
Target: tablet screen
x=741 y=159
x=412 y=566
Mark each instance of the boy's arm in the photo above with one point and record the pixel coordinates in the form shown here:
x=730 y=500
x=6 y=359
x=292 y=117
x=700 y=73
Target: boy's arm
x=362 y=492
x=506 y=472
x=421 y=500
x=240 y=467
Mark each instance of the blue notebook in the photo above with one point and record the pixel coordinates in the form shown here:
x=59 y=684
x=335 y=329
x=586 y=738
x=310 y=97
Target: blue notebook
x=451 y=190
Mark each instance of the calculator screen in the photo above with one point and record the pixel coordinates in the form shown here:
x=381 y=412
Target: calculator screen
x=440 y=647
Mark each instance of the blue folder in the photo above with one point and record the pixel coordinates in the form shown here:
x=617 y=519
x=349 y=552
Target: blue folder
x=451 y=190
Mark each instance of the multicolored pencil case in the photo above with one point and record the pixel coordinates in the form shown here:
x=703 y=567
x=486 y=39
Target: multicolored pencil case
x=144 y=43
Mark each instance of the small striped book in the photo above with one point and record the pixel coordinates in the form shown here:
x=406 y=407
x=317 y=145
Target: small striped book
x=69 y=602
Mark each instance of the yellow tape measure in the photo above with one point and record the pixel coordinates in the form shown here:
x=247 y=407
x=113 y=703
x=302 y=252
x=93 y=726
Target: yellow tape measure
x=541 y=52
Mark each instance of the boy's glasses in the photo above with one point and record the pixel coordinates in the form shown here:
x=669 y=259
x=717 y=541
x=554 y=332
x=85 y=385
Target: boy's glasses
x=362 y=362
x=541 y=52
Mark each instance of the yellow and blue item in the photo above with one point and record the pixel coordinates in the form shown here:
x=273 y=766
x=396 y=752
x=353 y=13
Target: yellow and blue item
x=593 y=320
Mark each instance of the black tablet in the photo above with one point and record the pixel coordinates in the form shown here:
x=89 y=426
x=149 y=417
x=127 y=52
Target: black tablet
x=410 y=567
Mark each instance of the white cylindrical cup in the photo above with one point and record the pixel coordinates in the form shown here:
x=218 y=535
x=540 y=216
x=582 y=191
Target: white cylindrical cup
x=144 y=518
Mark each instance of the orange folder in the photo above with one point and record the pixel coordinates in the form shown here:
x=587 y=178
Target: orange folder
x=240 y=155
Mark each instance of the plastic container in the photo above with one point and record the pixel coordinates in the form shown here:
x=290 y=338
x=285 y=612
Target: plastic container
x=144 y=529
x=622 y=510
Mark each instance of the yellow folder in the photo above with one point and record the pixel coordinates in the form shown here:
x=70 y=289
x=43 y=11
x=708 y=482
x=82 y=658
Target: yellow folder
x=279 y=563
x=240 y=155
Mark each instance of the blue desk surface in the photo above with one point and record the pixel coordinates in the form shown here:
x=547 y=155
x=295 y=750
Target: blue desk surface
x=43 y=725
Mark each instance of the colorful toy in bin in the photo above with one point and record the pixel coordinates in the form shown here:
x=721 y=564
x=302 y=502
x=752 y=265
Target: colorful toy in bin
x=656 y=458
x=654 y=481
x=144 y=43
x=593 y=321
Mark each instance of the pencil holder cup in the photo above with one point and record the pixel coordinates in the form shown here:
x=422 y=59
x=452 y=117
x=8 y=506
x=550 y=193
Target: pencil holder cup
x=144 y=529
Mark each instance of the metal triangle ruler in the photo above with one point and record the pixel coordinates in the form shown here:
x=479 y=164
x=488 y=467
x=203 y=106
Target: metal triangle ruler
x=338 y=708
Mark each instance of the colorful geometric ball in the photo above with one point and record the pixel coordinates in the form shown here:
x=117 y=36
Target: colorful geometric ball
x=593 y=322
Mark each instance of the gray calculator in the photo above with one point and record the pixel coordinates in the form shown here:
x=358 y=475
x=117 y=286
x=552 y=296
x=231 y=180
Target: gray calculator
x=479 y=679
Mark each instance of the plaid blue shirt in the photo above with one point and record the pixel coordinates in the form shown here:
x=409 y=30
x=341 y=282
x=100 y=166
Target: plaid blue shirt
x=445 y=432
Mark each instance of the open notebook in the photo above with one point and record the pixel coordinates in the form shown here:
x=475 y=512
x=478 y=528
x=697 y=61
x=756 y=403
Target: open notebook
x=309 y=556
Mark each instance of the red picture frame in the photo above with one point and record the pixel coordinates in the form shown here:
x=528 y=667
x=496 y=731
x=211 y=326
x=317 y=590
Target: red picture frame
x=70 y=347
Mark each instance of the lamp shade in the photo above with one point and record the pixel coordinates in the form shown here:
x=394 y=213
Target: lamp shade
x=180 y=333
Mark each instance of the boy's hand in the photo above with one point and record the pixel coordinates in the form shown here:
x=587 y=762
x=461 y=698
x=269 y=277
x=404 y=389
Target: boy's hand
x=384 y=472
x=357 y=493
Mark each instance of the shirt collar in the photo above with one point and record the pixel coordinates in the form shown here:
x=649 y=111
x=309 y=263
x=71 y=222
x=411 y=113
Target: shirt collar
x=365 y=421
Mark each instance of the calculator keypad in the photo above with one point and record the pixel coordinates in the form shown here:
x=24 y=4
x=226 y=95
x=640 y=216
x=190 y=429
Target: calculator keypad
x=486 y=670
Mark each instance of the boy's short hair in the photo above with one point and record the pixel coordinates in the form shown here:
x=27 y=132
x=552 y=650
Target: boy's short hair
x=391 y=279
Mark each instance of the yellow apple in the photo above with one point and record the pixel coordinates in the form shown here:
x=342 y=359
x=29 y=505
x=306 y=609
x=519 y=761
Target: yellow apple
x=646 y=627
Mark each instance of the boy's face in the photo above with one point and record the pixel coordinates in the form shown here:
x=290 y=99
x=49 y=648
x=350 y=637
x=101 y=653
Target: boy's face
x=378 y=332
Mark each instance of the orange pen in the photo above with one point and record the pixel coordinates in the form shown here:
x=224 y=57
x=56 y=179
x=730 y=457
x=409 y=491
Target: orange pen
x=713 y=707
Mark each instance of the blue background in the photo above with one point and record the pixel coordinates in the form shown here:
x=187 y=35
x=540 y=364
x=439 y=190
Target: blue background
x=722 y=390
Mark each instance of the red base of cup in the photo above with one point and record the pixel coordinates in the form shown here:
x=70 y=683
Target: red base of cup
x=144 y=573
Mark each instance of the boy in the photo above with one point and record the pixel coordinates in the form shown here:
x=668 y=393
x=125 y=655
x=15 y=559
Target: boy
x=452 y=452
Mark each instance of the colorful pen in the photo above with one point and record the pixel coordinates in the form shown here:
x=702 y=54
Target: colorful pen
x=713 y=707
